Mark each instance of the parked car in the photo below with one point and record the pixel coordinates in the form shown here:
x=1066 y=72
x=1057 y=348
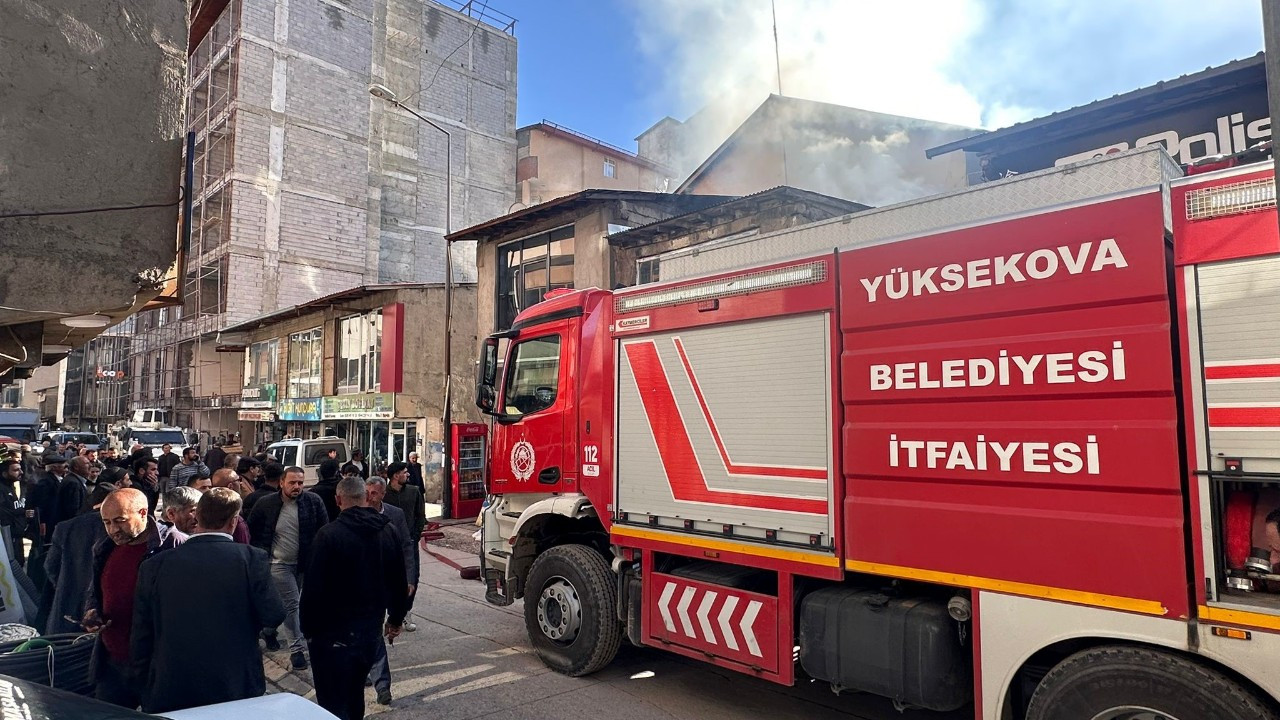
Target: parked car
x=153 y=439
x=41 y=702
x=308 y=454
x=90 y=440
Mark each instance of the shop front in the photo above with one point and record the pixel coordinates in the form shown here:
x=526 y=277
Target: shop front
x=298 y=418
x=257 y=407
x=368 y=422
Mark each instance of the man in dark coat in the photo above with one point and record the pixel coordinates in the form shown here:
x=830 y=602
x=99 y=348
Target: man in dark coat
x=415 y=473
x=69 y=564
x=272 y=473
x=42 y=502
x=409 y=499
x=327 y=487
x=73 y=490
x=165 y=463
x=376 y=490
x=355 y=582
x=132 y=537
x=186 y=657
x=13 y=514
x=216 y=456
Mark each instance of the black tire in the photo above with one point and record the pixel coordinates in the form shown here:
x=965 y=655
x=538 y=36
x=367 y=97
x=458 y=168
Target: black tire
x=586 y=575
x=1102 y=681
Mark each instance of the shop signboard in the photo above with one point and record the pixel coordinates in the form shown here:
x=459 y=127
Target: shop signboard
x=257 y=416
x=365 y=406
x=299 y=409
x=258 y=397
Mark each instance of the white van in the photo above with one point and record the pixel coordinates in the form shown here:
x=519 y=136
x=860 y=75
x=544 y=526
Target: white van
x=308 y=454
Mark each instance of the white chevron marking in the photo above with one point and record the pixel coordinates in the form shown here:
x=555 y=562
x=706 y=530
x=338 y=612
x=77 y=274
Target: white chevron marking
x=726 y=612
x=748 y=620
x=704 y=609
x=664 y=606
x=683 y=608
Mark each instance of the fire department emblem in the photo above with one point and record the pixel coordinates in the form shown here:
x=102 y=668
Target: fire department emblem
x=523 y=460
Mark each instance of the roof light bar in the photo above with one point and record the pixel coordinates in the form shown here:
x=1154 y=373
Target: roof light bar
x=1241 y=197
x=793 y=276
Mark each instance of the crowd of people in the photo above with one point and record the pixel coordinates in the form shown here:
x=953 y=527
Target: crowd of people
x=125 y=547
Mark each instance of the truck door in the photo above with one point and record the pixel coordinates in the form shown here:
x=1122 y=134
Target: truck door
x=529 y=454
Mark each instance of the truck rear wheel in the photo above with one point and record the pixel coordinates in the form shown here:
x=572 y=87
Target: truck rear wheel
x=569 y=610
x=1129 y=683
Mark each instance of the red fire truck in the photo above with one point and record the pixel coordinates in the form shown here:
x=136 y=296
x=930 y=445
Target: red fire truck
x=1013 y=448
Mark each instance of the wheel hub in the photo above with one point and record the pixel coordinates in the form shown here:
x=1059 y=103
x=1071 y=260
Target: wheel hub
x=1133 y=712
x=560 y=611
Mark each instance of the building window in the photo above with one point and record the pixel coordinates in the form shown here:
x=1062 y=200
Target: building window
x=647 y=270
x=306 y=349
x=360 y=353
x=528 y=269
x=610 y=168
x=260 y=363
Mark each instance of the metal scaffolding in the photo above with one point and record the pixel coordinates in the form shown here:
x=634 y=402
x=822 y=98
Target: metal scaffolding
x=167 y=360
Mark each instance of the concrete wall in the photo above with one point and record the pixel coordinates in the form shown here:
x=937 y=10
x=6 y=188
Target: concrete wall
x=334 y=188
x=566 y=166
x=854 y=154
x=423 y=370
x=92 y=98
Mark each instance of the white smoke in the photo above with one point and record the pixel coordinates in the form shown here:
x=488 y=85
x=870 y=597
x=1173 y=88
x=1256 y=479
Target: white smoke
x=976 y=63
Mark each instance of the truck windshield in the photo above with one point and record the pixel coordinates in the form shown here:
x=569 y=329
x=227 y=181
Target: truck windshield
x=19 y=433
x=159 y=437
x=533 y=376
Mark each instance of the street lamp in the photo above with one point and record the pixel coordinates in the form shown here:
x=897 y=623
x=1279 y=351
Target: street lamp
x=382 y=92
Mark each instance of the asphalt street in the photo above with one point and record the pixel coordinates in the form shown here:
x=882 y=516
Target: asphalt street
x=470 y=660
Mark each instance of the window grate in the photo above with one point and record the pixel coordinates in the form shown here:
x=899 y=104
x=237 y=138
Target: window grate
x=1233 y=199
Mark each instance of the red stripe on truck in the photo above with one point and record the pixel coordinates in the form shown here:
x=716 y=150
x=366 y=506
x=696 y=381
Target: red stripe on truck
x=679 y=460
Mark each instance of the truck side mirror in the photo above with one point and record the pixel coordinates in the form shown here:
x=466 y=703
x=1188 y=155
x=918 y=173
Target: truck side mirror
x=487 y=377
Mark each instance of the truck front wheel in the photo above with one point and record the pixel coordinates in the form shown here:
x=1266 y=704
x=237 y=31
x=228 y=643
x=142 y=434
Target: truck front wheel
x=569 y=610
x=1130 y=683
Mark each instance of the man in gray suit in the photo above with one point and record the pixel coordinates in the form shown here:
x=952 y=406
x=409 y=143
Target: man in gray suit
x=198 y=614
x=376 y=487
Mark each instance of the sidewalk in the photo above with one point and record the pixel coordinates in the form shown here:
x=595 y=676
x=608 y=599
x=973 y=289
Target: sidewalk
x=281 y=677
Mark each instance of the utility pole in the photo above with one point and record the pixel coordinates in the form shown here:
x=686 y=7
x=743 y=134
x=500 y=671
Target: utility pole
x=777 y=64
x=1271 y=42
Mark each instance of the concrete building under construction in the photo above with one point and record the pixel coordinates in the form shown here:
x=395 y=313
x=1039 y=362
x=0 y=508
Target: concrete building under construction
x=306 y=185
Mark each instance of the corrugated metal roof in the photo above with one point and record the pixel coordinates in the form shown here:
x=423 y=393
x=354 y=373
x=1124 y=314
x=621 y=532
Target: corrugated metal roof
x=511 y=222
x=641 y=232
x=1174 y=87
x=348 y=294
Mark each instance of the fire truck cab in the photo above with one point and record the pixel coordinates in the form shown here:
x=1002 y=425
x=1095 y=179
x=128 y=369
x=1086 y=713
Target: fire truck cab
x=1014 y=448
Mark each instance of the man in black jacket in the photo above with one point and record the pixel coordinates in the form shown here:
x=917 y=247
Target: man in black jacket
x=284 y=525
x=72 y=491
x=69 y=563
x=354 y=581
x=186 y=659
x=165 y=464
x=376 y=489
x=272 y=473
x=13 y=513
x=326 y=489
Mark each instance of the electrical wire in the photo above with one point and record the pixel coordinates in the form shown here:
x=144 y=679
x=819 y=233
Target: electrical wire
x=484 y=7
x=86 y=211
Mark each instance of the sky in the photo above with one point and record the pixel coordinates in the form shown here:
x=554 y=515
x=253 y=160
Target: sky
x=612 y=68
